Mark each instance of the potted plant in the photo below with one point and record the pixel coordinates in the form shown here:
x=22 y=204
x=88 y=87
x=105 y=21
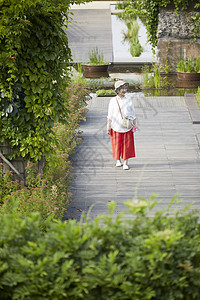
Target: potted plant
x=96 y=67
x=189 y=69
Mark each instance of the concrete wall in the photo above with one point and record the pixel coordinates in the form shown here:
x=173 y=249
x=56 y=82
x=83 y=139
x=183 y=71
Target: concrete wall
x=176 y=32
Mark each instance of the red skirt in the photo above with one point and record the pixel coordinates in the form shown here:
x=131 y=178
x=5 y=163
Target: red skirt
x=122 y=144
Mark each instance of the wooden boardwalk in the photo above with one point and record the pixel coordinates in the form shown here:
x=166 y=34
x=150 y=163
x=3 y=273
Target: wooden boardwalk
x=167 y=158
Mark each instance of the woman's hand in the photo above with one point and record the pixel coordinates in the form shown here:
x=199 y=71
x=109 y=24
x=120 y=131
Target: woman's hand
x=108 y=126
x=134 y=129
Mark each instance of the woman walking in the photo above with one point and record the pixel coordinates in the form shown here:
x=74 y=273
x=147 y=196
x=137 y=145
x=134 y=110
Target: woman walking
x=122 y=138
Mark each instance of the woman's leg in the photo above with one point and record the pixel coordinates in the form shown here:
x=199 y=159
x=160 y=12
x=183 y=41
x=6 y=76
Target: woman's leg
x=125 y=165
x=126 y=162
x=116 y=142
x=128 y=146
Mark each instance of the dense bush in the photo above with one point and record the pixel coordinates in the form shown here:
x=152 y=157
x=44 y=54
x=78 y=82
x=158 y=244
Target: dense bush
x=48 y=193
x=34 y=61
x=109 y=258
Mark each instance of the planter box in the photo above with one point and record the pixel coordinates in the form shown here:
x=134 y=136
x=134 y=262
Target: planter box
x=188 y=76
x=95 y=71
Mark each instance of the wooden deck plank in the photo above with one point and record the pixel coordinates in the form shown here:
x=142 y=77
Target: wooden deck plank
x=167 y=158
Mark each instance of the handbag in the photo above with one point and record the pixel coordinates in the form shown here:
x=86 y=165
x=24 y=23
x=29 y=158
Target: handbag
x=126 y=122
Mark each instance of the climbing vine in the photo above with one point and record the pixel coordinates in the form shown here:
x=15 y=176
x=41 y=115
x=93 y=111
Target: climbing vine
x=34 y=61
x=148 y=11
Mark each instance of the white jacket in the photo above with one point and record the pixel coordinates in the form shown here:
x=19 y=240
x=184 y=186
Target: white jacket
x=127 y=109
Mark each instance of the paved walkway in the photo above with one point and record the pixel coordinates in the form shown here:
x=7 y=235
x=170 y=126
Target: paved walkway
x=167 y=162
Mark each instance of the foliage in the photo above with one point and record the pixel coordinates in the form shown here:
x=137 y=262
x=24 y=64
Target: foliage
x=148 y=92
x=132 y=29
x=182 y=92
x=122 y=5
x=135 y=48
x=132 y=37
x=105 y=92
x=152 y=77
x=167 y=67
x=34 y=56
x=78 y=75
x=148 y=78
x=133 y=82
x=109 y=258
x=48 y=193
x=95 y=84
x=157 y=77
x=7 y=184
x=39 y=195
x=96 y=57
x=148 y=11
x=189 y=65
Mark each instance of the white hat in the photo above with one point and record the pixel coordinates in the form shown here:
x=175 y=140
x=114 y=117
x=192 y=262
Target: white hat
x=119 y=83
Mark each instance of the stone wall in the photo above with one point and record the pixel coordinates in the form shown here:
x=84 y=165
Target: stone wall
x=175 y=33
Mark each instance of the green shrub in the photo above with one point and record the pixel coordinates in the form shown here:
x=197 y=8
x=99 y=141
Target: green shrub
x=48 y=193
x=78 y=75
x=148 y=77
x=99 y=83
x=122 y=5
x=42 y=195
x=34 y=61
x=7 y=184
x=135 y=47
x=189 y=65
x=132 y=36
x=96 y=57
x=152 y=77
x=139 y=257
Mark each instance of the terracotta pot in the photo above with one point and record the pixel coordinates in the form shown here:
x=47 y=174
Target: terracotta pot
x=188 y=76
x=95 y=71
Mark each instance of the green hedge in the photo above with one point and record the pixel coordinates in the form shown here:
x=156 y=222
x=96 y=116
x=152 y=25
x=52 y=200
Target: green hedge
x=139 y=257
x=34 y=64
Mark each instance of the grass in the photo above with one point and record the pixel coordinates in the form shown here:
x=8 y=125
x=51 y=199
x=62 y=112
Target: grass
x=96 y=57
x=190 y=65
x=99 y=83
x=78 y=75
x=152 y=77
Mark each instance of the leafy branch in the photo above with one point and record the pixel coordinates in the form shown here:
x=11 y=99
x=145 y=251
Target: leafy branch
x=34 y=60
